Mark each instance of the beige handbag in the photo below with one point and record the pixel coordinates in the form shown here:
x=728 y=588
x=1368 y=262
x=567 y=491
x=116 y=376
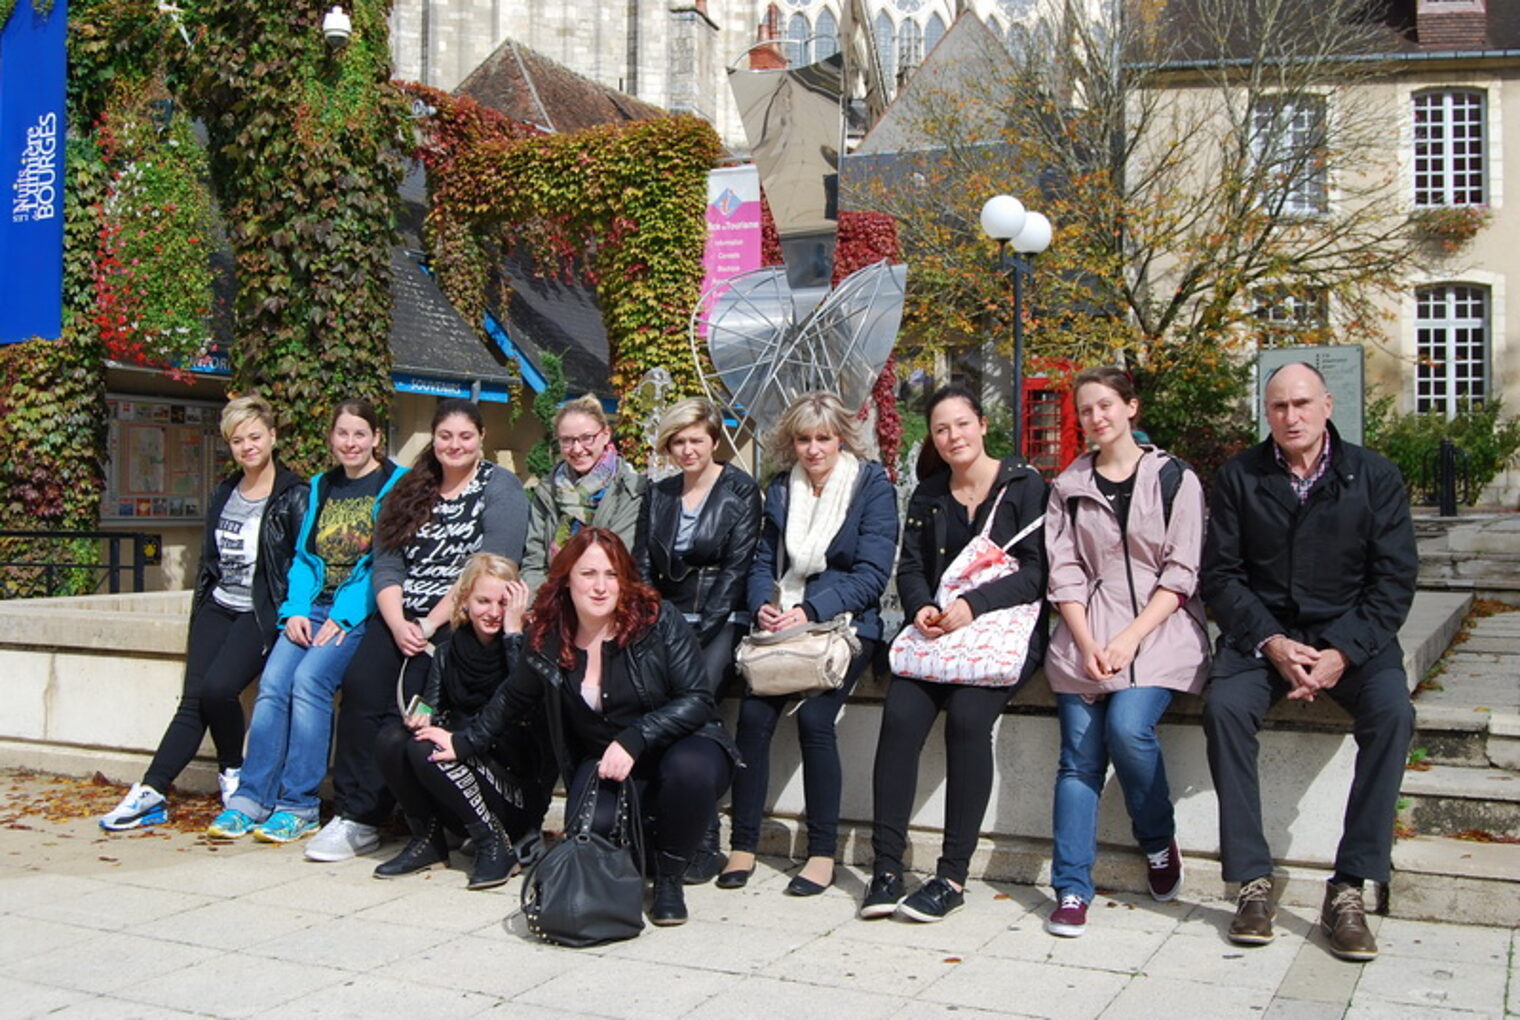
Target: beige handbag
x=808 y=659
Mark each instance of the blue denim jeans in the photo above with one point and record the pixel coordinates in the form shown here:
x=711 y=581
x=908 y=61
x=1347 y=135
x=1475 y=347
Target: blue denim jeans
x=291 y=731
x=1120 y=727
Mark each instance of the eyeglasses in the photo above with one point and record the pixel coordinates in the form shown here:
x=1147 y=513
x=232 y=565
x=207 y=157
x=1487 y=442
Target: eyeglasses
x=571 y=442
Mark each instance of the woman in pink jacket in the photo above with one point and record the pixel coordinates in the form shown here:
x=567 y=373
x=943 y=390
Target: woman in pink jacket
x=1124 y=534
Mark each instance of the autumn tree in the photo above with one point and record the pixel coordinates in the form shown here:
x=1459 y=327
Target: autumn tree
x=1219 y=172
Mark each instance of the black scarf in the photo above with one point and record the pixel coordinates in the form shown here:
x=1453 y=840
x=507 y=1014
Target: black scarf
x=473 y=671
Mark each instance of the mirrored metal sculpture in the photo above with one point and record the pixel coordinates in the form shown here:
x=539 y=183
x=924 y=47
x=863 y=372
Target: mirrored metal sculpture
x=769 y=335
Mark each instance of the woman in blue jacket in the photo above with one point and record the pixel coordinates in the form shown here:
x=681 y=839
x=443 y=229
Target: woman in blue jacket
x=328 y=603
x=827 y=541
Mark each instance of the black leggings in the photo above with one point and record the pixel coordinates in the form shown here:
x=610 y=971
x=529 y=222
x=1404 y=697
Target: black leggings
x=473 y=791
x=369 y=702
x=223 y=656
x=822 y=773
x=906 y=718
x=677 y=786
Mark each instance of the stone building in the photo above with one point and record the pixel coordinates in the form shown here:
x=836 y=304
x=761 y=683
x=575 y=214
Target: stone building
x=673 y=54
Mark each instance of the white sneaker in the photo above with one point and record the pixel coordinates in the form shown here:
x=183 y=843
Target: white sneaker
x=228 y=780
x=142 y=805
x=341 y=839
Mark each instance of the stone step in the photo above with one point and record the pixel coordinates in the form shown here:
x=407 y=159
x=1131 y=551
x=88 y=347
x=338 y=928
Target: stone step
x=1440 y=879
x=1450 y=735
x=1446 y=800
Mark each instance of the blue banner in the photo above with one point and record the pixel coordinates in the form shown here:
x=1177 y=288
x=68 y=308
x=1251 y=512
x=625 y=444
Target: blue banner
x=33 y=63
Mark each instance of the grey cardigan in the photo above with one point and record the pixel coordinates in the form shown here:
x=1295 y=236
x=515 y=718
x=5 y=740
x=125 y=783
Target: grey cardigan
x=1115 y=574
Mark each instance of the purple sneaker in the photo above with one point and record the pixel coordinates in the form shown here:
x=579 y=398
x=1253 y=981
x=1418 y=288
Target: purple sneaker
x=1163 y=873
x=1069 y=920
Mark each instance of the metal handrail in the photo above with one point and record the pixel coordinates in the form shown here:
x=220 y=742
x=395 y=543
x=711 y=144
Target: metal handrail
x=147 y=550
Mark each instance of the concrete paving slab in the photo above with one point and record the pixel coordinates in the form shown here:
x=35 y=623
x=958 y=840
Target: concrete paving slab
x=1159 y=998
x=1451 y=943
x=764 y=998
x=238 y=985
x=116 y=907
x=1027 y=989
x=111 y=962
x=348 y=943
x=93 y=1010
x=1300 y=1009
x=498 y=965
x=630 y=989
x=1318 y=976
x=1121 y=950
x=375 y=995
x=1209 y=959
x=24 y=998
x=1477 y=987
x=724 y=945
x=836 y=961
x=228 y=924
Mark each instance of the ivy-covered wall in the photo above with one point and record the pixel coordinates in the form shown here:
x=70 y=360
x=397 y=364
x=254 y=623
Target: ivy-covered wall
x=623 y=206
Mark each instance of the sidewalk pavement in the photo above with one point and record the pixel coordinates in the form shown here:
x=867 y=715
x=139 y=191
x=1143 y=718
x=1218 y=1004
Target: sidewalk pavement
x=161 y=924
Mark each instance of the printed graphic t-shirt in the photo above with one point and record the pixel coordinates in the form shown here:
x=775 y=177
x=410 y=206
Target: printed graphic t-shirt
x=237 y=546
x=345 y=527
x=436 y=553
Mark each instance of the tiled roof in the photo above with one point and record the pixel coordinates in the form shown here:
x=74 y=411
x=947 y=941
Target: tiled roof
x=529 y=87
x=428 y=337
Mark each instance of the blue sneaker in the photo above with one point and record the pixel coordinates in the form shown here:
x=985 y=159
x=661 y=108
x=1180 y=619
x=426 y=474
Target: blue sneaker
x=284 y=827
x=230 y=824
x=142 y=805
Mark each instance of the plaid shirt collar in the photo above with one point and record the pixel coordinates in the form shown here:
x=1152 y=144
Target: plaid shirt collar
x=1302 y=486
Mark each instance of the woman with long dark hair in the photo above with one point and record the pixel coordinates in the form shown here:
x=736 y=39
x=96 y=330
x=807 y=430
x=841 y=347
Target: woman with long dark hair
x=452 y=504
x=620 y=676
x=827 y=541
x=700 y=527
x=1124 y=530
x=251 y=528
x=961 y=489
x=328 y=604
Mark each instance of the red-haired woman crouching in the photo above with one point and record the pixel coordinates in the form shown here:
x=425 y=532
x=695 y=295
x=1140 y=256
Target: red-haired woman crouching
x=626 y=695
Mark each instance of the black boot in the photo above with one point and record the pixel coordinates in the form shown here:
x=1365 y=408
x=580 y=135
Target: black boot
x=425 y=849
x=669 y=904
x=494 y=860
x=708 y=861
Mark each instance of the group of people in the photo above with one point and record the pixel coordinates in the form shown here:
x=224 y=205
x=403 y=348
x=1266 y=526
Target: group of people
x=490 y=643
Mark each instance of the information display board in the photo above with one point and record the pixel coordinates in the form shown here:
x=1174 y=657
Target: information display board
x=165 y=457
x=1343 y=369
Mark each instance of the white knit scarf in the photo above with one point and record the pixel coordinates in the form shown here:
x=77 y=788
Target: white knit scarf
x=812 y=522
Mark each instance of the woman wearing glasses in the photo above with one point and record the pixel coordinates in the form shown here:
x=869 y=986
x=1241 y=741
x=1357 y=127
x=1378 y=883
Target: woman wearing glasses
x=591 y=484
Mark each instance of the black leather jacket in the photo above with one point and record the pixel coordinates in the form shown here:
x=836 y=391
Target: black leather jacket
x=278 y=528
x=665 y=665
x=708 y=579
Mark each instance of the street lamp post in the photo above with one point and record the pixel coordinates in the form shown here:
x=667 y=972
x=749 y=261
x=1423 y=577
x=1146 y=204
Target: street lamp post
x=1020 y=234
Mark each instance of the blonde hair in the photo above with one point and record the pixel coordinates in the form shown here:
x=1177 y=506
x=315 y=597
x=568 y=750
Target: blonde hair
x=682 y=416
x=241 y=410
x=815 y=410
x=478 y=566
x=588 y=405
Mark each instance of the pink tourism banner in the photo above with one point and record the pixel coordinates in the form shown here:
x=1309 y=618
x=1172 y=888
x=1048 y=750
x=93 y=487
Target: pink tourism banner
x=733 y=228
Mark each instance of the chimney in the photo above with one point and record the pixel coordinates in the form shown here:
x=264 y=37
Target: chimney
x=1452 y=24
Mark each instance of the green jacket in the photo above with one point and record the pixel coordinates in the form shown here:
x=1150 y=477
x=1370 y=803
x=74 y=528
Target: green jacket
x=618 y=511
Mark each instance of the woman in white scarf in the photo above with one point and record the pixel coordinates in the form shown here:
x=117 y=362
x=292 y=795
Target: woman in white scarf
x=827 y=543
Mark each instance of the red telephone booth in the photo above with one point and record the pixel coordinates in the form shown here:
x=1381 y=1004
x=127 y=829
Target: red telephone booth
x=1052 y=437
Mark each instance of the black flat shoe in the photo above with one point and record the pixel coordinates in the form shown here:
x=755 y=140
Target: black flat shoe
x=734 y=879
x=800 y=886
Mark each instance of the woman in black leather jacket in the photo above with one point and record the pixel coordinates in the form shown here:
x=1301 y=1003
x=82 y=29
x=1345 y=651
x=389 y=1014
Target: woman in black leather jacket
x=619 y=673
x=495 y=795
x=251 y=528
x=700 y=528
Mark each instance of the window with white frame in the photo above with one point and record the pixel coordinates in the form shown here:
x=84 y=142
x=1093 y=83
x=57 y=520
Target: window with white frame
x=827 y=30
x=886 y=46
x=1451 y=342
x=1287 y=313
x=910 y=48
x=1449 y=148
x=797 y=32
x=1288 y=143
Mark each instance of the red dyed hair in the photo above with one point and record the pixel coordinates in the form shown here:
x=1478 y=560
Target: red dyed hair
x=638 y=605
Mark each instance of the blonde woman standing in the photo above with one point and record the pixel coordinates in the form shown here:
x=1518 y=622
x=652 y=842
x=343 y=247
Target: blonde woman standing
x=827 y=541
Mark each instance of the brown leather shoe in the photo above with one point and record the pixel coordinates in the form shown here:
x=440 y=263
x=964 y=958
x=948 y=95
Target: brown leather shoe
x=1253 y=913
x=1345 y=922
